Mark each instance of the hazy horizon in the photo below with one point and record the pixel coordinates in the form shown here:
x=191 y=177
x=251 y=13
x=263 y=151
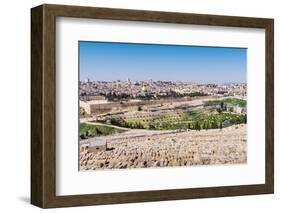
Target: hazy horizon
x=108 y=61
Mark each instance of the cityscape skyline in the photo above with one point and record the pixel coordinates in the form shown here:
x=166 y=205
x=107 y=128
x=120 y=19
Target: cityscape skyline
x=108 y=61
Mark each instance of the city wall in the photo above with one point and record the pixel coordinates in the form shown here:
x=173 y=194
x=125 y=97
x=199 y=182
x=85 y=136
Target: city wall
x=107 y=107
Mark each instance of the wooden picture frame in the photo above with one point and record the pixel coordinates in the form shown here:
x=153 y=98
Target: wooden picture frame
x=43 y=105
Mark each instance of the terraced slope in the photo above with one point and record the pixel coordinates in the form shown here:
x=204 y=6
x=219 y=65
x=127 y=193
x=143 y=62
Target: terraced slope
x=147 y=148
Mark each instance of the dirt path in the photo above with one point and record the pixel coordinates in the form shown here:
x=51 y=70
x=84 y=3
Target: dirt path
x=102 y=124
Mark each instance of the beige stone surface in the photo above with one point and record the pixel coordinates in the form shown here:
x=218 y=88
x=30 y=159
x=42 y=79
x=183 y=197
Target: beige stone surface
x=146 y=148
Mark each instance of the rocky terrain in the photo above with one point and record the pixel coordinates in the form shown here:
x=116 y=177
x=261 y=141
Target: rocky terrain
x=148 y=148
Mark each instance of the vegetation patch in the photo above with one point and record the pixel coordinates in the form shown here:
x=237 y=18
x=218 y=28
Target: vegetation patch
x=227 y=101
x=91 y=130
x=112 y=96
x=186 y=120
x=235 y=102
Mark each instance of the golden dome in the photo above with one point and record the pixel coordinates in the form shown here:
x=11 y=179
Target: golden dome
x=144 y=88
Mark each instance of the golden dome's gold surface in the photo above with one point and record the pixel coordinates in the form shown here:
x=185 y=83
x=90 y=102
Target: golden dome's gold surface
x=144 y=88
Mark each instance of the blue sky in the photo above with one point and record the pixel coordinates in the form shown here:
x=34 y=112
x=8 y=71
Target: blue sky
x=106 y=61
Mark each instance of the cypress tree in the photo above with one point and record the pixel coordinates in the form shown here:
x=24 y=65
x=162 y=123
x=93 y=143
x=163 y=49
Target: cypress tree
x=220 y=124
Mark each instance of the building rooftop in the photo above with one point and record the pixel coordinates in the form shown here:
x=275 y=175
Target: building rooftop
x=93 y=102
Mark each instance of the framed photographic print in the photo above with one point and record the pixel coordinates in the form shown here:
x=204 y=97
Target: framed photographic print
x=136 y=106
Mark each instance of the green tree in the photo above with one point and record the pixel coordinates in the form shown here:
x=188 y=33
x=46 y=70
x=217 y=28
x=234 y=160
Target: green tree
x=222 y=106
x=225 y=107
x=197 y=125
x=99 y=132
x=151 y=126
x=88 y=133
x=206 y=125
x=219 y=110
x=214 y=125
x=220 y=124
x=83 y=136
